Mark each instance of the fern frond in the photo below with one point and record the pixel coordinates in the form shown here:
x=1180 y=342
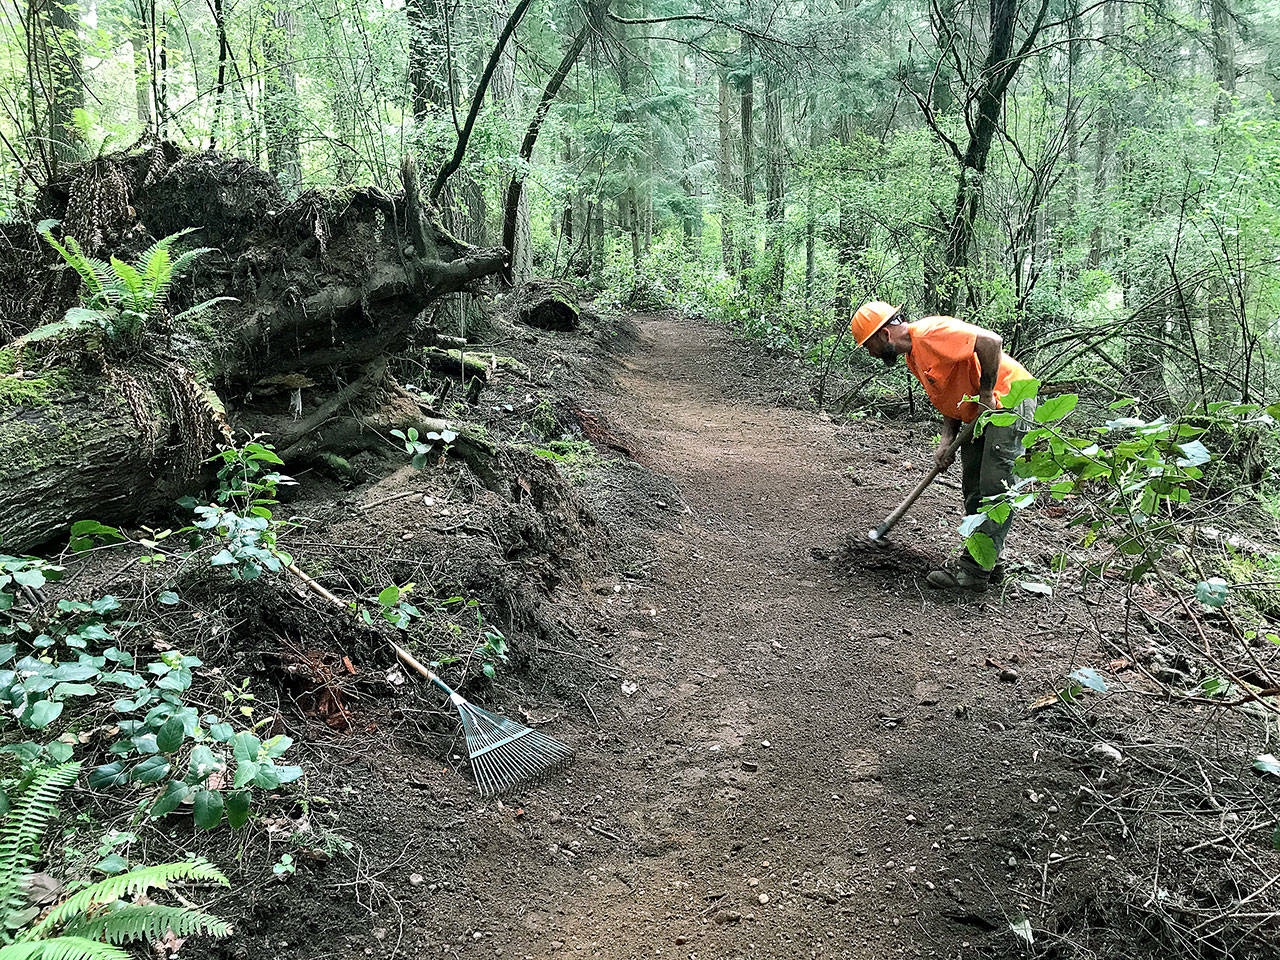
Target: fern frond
x=164 y=243
x=158 y=265
x=124 y=885
x=136 y=288
x=180 y=265
x=76 y=318
x=202 y=308
x=23 y=826
x=149 y=921
x=91 y=270
x=62 y=948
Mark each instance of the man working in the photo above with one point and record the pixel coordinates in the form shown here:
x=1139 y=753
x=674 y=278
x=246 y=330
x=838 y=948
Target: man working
x=953 y=360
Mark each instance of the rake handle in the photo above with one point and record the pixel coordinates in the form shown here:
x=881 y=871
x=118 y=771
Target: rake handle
x=411 y=661
x=892 y=519
x=408 y=658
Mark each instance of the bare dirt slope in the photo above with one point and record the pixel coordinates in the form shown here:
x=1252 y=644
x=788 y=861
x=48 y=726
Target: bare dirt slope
x=784 y=750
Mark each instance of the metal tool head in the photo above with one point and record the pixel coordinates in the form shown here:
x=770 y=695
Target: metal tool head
x=506 y=754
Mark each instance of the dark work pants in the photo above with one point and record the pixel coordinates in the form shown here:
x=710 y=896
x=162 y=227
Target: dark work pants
x=986 y=464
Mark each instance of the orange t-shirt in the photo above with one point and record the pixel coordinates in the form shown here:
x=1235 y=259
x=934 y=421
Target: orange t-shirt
x=943 y=360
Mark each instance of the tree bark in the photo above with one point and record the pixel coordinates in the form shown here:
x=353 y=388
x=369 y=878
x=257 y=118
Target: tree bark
x=220 y=86
x=54 y=61
x=747 y=119
x=280 y=108
x=775 y=198
x=138 y=38
x=984 y=109
x=724 y=171
x=1224 y=54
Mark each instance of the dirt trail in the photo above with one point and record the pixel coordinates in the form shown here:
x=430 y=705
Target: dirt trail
x=814 y=762
x=780 y=754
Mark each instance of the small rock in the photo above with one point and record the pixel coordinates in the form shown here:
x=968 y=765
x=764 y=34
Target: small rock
x=727 y=916
x=1008 y=675
x=749 y=765
x=753 y=882
x=417 y=879
x=1108 y=752
x=763 y=898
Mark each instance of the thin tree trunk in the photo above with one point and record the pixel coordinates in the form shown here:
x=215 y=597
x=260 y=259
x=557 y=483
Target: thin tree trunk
x=138 y=38
x=220 y=88
x=724 y=171
x=775 y=198
x=1101 y=158
x=57 y=91
x=280 y=108
x=1224 y=55
x=748 y=94
x=811 y=207
x=516 y=190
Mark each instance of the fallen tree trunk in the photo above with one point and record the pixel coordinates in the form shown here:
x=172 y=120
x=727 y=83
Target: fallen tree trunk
x=327 y=287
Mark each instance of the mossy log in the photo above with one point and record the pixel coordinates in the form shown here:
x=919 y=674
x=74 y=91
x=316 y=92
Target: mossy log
x=326 y=286
x=548 y=305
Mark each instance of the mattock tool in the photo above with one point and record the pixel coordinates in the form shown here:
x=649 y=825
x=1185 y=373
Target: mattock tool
x=877 y=535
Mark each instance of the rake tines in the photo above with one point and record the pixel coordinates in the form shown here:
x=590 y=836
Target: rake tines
x=503 y=753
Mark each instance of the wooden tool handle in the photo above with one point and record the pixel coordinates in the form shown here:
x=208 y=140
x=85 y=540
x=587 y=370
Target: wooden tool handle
x=892 y=519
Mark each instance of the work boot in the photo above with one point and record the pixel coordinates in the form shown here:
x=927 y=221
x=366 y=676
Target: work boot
x=959 y=576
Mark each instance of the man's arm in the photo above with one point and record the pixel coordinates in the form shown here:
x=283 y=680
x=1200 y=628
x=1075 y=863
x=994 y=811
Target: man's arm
x=989 y=348
x=943 y=457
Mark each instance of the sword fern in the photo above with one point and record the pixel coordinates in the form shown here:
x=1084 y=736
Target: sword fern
x=91 y=924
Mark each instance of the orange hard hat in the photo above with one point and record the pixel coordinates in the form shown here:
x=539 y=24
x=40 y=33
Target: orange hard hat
x=870 y=318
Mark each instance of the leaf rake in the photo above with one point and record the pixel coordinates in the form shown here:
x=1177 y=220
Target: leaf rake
x=504 y=754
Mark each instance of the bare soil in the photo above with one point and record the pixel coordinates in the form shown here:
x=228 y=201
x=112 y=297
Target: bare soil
x=787 y=745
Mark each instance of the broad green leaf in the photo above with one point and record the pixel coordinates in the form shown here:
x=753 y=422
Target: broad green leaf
x=108 y=775
x=33 y=578
x=203 y=763
x=43 y=713
x=389 y=597
x=172 y=795
x=246 y=747
x=151 y=770
x=982 y=549
x=168 y=598
x=208 y=809
x=171 y=735
x=1020 y=390
x=112 y=863
x=1194 y=454
x=1055 y=408
x=246 y=772
x=237 y=805
x=1213 y=592
x=268 y=777
x=971 y=523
